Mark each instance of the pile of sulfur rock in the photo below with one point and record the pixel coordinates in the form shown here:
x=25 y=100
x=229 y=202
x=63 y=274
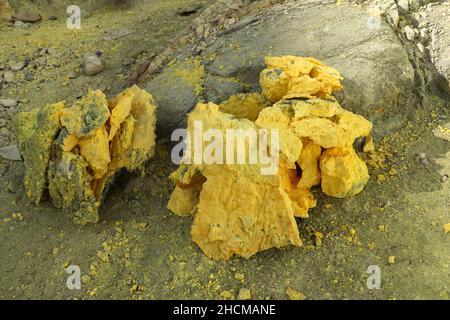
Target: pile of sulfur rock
x=74 y=151
x=237 y=209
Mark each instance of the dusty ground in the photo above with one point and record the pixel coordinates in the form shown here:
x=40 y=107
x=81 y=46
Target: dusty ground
x=141 y=251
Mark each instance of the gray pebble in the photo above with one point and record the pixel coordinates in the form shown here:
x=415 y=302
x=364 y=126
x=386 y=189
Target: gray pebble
x=8 y=103
x=4 y=132
x=409 y=33
x=424 y=33
x=8 y=77
x=17 y=66
x=93 y=65
x=72 y=75
x=28 y=75
x=403 y=6
x=11 y=111
x=10 y=152
x=421 y=47
x=444 y=178
x=422 y=155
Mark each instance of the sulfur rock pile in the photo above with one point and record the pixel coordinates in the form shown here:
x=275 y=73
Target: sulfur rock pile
x=240 y=211
x=74 y=151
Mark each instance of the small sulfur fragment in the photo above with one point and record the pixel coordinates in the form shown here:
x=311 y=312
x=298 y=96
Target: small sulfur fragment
x=309 y=163
x=290 y=77
x=77 y=150
x=95 y=149
x=344 y=174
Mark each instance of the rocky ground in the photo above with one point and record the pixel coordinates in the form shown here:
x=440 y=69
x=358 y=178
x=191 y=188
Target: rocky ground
x=395 y=75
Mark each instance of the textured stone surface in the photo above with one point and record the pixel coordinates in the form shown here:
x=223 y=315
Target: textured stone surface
x=176 y=91
x=378 y=77
x=238 y=209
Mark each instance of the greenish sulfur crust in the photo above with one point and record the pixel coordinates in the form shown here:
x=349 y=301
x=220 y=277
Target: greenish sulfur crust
x=70 y=189
x=36 y=131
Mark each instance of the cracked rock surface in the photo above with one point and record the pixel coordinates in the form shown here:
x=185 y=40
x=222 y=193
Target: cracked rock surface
x=378 y=76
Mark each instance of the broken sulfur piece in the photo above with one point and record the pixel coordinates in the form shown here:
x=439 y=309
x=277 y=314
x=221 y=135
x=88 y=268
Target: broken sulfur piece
x=289 y=77
x=75 y=151
x=239 y=211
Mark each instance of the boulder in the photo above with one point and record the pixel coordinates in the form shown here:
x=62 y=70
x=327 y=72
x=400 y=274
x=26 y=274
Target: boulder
x=378 y=76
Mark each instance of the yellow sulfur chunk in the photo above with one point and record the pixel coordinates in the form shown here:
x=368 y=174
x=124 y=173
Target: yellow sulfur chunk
x=69 y=142
x=274 y=84
x=368 y=144
x=119 y=113
x=185 y=197
x=252 y=215
x=75 y=151
x=289 y=77
x=339 y=131
x=144 y=112
x=69 y=187
x=87 y=115
x=239 y=210
x=95 y=149
x=352 y=126
x=314 y=107
x=302 y=199
x=309 y=163
x=121 y=143
x=183 y=201
x=321 y=131
x=185 y=175
x=134 y=141
x=36 y=131
x=293 y=66
x=244 y=105
x=344 y=174
x=275 y=117
x=305 y=87
x=278 y=118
